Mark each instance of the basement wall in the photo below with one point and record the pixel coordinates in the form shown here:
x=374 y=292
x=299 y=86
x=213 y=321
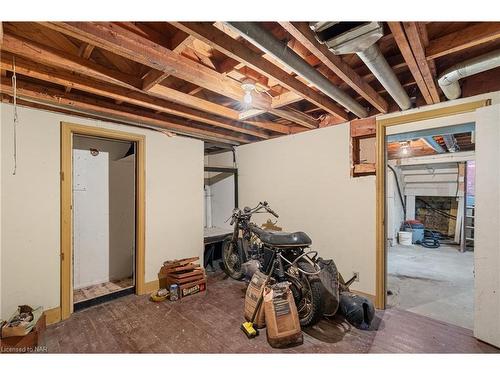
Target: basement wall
x=306 y=179
x=30 y=217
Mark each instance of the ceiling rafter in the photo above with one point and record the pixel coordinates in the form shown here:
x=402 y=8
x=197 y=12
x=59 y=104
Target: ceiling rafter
x=405 y=48
x=219 y=40
x=112 y=37
x=304 y=35
x=34 y=51
x=465 y=38
x=124 y=95
x=417 y=47
x=59 y=97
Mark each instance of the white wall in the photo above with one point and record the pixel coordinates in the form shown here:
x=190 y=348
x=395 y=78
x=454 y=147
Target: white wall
x=487 y=227
x=306 y=180
x=31 y=208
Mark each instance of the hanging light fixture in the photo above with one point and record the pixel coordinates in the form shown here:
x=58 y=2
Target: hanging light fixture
x=248 y=86
x=404 y=146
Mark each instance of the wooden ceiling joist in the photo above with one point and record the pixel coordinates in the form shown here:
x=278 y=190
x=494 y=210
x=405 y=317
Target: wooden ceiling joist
x=51 y=56
x=110 y=110
x=465 y=38
x=236 y=50
x=118 y=40
x=405 y=48
x=124 y=95
x=416 y=44
x=304 y=35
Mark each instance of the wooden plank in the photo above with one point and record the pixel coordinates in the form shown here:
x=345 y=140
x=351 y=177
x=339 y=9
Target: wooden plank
x=465 y=38
x=363 y=127
x=51 y=56
x=364 y=168
x=404 y=47
x=224 y=43
x=125 y=95
x=36 y=92
x=177 y=44
x=413 y=35
x=295 y=116
x=302 y=33
x=120 y=41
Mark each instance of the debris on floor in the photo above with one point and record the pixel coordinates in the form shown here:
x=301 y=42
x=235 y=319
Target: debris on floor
x=182 y=277
x=23 y=332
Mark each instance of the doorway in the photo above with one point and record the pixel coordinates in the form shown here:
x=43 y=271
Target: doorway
x=103 y=219
x=430 y=263
x=102 y=215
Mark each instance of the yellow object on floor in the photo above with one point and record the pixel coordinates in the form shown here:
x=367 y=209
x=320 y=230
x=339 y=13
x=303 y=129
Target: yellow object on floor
x=251 y=332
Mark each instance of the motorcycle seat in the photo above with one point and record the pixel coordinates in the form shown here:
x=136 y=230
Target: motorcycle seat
x=282 y=239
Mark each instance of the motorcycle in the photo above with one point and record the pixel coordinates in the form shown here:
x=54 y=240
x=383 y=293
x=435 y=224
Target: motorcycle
x=283 y=256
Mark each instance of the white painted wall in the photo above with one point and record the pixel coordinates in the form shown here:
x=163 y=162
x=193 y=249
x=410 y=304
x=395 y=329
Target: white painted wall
x=31 y=208
x=306 y=180
x=487 y=226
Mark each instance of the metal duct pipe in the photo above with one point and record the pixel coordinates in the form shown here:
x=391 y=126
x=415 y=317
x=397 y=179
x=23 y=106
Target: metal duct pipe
x=378 y=65
x=448 y=81
x=266 y=41
x=451 y=143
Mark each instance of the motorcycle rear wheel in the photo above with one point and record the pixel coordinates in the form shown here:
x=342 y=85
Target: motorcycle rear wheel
x=308 y=296
x=231 y=259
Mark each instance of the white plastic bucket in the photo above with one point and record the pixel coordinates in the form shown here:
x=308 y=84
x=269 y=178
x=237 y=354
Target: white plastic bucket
x=405 y=238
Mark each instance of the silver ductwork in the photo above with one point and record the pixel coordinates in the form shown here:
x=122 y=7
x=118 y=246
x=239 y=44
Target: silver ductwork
x=360 y=38
x=449 y=80
x=266 y=41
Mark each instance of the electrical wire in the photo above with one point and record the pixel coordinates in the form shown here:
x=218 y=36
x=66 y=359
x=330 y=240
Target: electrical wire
x=16 y=119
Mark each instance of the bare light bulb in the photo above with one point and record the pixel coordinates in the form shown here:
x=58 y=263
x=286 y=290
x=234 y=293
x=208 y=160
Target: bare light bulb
x=247 y=99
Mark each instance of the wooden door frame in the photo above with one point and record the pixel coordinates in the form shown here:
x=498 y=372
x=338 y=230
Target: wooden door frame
x=68 y=130
x=381 y=233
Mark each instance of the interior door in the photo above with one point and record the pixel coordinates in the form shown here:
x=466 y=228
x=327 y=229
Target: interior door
x=487 y=226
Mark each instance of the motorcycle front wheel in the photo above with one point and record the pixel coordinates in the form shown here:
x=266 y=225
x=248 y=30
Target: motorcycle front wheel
x=307 y=294
x=231 y=259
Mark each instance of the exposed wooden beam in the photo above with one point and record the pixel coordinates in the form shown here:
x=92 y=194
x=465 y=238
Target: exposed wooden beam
x=50 y=56
x=124 y=95
x=416 y=44
x=219 y=40
x=110 y=110
x=295 y=116
x=363 y=127
x=84 y=52
x=304 y=35
x=405 y=48
x=177 y=44
x=63 y=62
x=465 y=38
x=116 y=39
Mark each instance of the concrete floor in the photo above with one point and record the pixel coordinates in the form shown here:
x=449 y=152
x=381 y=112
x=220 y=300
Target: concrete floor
x=436 y=283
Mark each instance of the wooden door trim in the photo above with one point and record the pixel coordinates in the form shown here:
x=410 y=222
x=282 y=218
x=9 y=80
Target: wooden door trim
x=68 y=130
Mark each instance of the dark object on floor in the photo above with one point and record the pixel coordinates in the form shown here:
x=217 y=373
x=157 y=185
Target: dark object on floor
x=329 y=277
x=282 y=320
x=389 y=293
x=431 y=239
x=358 y=310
